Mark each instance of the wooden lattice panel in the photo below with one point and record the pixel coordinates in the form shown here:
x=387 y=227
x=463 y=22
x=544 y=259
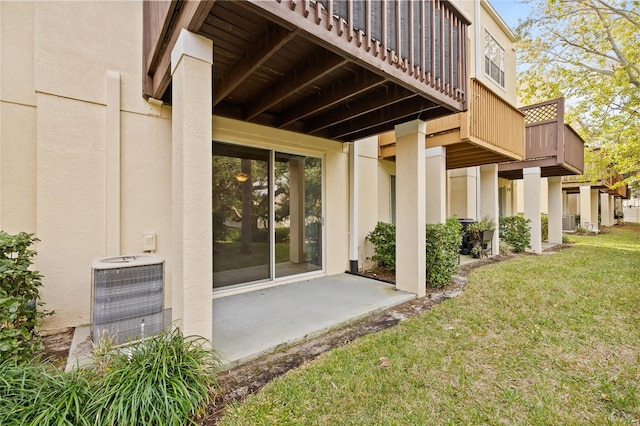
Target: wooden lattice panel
x=541 y=113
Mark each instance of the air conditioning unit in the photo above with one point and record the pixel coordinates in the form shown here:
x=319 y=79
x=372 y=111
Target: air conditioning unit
x=568 y=222
x=127 y=297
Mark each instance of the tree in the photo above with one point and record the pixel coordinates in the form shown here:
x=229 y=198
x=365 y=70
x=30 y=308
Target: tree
x=587 y=51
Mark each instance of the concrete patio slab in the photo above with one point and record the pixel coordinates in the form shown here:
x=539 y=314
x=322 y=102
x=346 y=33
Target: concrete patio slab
x=249 y=325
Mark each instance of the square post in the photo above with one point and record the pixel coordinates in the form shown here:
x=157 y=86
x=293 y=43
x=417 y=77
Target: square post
x=555 y=210
x=192 y=286
x=435 y=184
x=489 y=200
x=532 y=209
x=411 y=206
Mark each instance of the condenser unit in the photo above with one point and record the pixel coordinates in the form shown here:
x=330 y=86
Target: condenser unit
x=568 y=222
x=127 y=297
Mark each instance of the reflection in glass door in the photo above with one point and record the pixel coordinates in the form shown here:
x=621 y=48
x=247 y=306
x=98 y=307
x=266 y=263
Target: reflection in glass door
x=241 y=249
x=298 y=214
x=267 y=214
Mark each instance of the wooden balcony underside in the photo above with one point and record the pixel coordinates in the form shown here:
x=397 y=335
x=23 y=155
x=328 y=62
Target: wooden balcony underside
x=336 y=69
x=612 y=185
x=492 y=131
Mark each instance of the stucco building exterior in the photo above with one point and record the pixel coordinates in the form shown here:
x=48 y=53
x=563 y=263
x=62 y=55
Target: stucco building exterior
x=243 y=141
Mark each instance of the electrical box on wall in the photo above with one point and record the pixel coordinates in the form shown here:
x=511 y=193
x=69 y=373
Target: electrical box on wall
x=149 y=242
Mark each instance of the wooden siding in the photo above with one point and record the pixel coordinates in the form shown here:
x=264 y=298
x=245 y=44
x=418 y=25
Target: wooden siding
x=491 y=131
x=342 y=69
x=550 y=144
x=495 y=122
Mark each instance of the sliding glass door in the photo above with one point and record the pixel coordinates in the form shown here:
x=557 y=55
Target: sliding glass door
x=267 y=214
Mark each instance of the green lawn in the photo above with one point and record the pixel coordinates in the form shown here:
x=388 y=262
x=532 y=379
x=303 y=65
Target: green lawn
x=538 y=340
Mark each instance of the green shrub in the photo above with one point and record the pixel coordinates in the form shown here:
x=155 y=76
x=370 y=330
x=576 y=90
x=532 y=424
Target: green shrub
x=383 y=238
x=19 y=295
x=544 y=226
x=442 y=247
x=516 y=232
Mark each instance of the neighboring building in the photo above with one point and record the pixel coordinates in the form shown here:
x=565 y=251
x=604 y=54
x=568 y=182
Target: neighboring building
x=462 y=150
x=250 y=143
x=597 y=202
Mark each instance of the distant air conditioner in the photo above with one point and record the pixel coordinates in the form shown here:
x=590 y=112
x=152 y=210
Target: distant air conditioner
x=128 y=297
x=568 y=222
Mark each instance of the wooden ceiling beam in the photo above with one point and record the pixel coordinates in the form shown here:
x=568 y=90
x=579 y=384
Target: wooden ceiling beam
x=339 y=92
x=270 y=42
x=372 y=102
x=412 y=108
x=316 y=67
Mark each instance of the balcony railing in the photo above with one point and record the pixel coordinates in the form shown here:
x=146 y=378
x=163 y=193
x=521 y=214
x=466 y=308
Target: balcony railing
x=548 y=135
x=424 y=39
x=607 y=181
x=491 y=131
x=550 y=144
x=494 y=121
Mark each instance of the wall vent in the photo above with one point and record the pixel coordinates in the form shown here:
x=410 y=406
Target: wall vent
x=127 y=297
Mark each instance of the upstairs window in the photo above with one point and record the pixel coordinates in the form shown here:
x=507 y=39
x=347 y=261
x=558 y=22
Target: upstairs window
x=493 y=59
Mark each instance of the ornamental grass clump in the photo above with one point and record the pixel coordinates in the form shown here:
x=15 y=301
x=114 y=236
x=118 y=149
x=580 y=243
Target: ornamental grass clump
x=164 y=380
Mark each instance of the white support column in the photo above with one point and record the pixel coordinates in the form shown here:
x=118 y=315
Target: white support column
x=489 y=200
x=191 y=68
x=531 y=178
x=594 y=208
x=296 y=211
x=605 y=212
x=410 y=214
x=436 y=184
x=585 y=206
x=112 y=203
x=555 y=209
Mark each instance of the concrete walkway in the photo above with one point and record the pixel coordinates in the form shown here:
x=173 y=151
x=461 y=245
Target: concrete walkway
x=248 y=325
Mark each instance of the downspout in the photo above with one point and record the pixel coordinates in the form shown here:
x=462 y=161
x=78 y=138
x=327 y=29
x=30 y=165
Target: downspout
x=353 y=207
x=479 y=41
x=478 y=194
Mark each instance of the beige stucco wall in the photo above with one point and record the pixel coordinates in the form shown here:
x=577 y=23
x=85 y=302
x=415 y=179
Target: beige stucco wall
x=17 y=118
x=374 y=195
x=463 y=192
x=54 y=60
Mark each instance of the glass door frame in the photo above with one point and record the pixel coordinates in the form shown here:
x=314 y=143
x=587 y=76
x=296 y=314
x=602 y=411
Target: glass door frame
x=273 y=280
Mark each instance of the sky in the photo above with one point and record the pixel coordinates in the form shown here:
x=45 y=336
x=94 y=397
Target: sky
x=512 y=11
